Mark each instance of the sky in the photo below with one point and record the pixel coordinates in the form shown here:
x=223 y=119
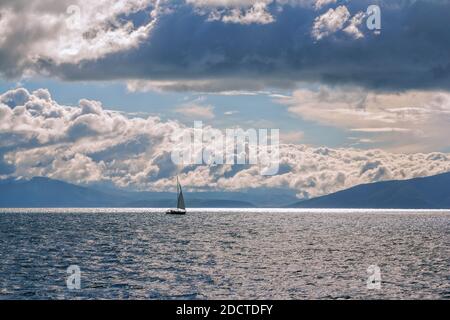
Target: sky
x=94 y=92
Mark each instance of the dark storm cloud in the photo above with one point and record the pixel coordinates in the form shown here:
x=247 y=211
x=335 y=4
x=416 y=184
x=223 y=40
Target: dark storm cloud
x=412 y=50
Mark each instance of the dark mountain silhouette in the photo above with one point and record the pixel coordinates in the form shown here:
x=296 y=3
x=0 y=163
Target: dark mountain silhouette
x=419 y=193
x=44 y=192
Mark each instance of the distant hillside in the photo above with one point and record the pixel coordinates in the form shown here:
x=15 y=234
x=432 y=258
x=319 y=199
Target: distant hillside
x=420 y=193
x=44 y=192
x=261 y=197
x=193 y=203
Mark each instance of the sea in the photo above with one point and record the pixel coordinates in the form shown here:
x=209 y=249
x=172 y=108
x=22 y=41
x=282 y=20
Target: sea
x=224 y=254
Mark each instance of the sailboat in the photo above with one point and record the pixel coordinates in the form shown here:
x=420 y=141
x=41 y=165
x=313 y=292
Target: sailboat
x=181 y=208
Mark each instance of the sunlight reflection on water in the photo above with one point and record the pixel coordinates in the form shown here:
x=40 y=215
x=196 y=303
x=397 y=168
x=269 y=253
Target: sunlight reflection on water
x=223 y=253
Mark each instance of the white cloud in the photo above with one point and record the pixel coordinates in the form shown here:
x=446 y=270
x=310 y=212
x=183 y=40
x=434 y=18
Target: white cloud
x=70 y=31
x=322 y=3
x=225 y=86
x=86 y=144
x=248 y=11
x=335 y=20
x=231 y=113
x=330 y=22
x=408 y=121
x=352 y=28
x=239 y=12
x=225 y=3
x=257 y=14
x=196 y=111
x=250 y=3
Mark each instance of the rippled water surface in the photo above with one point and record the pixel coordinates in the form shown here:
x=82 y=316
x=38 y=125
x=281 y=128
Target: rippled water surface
x=217 y=254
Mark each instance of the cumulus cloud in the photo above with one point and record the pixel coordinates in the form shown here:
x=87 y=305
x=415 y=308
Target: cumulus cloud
x=330 y=22
x=353 y=27
x=239 y=12
x=80 y=144
x=407 y=121
x=86 y=144
x=256 y=14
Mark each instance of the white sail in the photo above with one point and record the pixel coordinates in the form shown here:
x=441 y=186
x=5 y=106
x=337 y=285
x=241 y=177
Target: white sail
x=180 y=202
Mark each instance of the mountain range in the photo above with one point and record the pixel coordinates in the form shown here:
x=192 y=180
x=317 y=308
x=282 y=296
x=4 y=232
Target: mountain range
x=419 y=193
x=44 y=192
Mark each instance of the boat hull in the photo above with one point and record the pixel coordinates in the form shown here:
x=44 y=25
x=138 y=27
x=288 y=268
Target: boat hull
x=176 y=211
